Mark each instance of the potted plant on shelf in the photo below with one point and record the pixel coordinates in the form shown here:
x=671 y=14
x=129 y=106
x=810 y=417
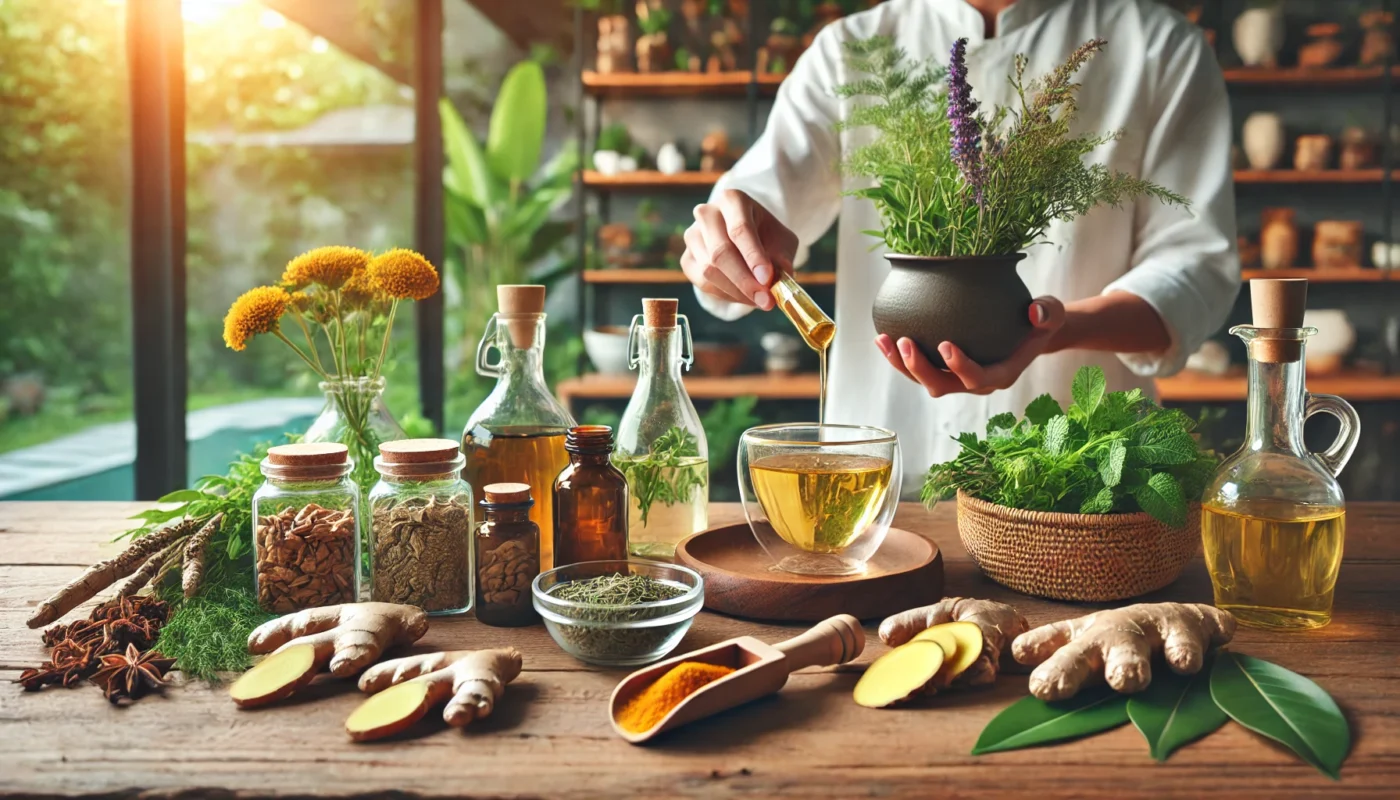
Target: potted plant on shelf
x=961 y=193
x=1092 y=503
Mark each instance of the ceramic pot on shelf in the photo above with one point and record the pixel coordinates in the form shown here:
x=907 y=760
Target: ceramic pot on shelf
x=1358 y=149
x=1328 y=349
x=1263 y=139
x=669 y=159
x=1323 y=48
x=1258 y=35
x=1337 y=244
x=1377 y=41
x=1386 y=255
x=614 y=44
x=1278 y=238
x=978 y=303
x=1312 y=152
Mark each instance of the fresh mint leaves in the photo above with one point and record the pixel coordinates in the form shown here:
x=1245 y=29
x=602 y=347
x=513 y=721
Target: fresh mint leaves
x=1108 y=453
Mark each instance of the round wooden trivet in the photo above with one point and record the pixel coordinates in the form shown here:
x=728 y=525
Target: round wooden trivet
x=740 y=580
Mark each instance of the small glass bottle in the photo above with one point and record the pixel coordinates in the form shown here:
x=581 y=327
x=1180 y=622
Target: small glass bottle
x=516 y=435
x=507 y=557
x=661 y=444
x=590 y=500
x=815 y=326
x=306 y=518
x=421 y=527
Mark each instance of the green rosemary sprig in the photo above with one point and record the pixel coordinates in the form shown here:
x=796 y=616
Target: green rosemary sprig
x=663 y=475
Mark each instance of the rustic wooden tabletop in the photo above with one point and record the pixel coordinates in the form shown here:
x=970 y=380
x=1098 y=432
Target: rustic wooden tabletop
x=550 y=734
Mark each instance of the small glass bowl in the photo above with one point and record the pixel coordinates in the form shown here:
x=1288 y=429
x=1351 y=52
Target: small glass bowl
x=619 y=636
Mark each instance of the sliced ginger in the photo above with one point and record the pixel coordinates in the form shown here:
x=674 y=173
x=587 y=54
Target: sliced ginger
x=405 y=689
x=999 y=624
x=899 y=674
x=346 y=637
x=962 y=646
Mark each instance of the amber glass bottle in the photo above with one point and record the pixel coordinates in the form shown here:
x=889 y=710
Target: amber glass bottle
x=590 y=500
x=507 y=557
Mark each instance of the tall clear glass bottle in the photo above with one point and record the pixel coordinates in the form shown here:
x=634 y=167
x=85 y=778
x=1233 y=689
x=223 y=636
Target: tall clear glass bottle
x=1273 y=517
x=517 y=433
x=661 y=445
x=590 y=500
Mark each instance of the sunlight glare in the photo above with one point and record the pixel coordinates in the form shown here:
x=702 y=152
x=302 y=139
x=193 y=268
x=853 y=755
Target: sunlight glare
x=272 y=20
x=205 y=12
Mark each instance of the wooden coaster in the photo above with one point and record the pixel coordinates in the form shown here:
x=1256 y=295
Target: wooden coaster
x=740 y=580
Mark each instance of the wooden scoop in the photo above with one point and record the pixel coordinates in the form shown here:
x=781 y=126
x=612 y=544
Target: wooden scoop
x=759 y=669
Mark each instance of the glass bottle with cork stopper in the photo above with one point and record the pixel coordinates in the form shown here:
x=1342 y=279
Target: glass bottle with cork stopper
x=812 y=323
x=306 y=518
x=517 y=433
x=590 y=500
x=507 y=557
x=1273 y=517
x=661 y=446
x=421 y=527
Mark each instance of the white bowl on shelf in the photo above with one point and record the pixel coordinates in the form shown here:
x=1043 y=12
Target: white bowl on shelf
x=606 y=346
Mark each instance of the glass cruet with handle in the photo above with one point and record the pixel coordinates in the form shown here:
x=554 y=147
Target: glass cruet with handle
x=1273 y=516
x=661 y=445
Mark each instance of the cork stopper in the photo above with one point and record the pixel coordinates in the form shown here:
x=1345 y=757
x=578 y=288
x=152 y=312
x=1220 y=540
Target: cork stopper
x=308 y=454
x=659 y=312
x=1278 y=303
x=419 y=458
x=519 y=306
x=504 y=493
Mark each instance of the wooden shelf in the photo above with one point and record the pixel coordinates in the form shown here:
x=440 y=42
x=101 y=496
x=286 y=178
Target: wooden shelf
x=1309 y=176
x=651 y=179
x=1314 y=275
x=684 y=84
x=658 y=276
x=1196 y=387
x=766 y=387
x=1301 y=78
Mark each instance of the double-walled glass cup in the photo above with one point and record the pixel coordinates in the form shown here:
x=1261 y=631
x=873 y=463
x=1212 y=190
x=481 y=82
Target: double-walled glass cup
x=819 y=498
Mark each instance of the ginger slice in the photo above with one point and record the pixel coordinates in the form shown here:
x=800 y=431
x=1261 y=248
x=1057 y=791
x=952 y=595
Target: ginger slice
x=393 y=710
x=276 y=677
x=405 y=689
x=899 y=674
x=999 y=623
x=962 y=646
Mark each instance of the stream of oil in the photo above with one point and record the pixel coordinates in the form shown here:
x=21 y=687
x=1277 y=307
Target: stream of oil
x=815 y=327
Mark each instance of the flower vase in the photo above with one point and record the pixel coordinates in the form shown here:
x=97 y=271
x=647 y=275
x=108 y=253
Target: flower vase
x=355 y=416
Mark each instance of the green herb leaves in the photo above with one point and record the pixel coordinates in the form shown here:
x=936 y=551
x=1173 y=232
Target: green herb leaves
x=1031 y=721
x=1109 y=452
x=671 y=473
x=1176 y=710
x=1283 y=706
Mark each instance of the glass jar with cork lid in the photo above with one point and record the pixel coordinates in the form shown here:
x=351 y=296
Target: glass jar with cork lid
x=420 y=527
x=306 y=543
x=507 y=557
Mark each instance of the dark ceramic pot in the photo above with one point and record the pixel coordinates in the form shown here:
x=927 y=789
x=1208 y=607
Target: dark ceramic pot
x=978 y=303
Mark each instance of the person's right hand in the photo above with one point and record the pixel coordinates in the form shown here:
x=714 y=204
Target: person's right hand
x=735 y=249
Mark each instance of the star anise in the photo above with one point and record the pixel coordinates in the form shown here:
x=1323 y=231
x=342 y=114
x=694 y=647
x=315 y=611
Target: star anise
x=132 y=674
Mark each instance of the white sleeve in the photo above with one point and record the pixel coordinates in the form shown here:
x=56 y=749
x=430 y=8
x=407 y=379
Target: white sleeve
x=793 y=169
x=1185 y=265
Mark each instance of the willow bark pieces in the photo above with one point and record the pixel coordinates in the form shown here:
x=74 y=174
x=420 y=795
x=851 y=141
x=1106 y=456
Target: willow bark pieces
x=150 y=569
x=104 y=573
x=192 y=570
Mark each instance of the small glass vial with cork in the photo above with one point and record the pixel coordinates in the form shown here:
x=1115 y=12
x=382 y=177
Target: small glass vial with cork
x=590 y=500
x=507 y=557
x=815 y=326
x=421 y=527
x=1273 y=518
x=306 y=542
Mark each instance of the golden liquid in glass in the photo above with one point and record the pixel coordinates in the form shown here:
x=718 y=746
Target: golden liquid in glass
x=668 y=519
x=820 y=503
x=1275 y=566
x=519 y=454
x=812 y=323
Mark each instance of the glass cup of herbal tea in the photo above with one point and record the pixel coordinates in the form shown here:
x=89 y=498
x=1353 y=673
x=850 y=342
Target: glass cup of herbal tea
x=819 y=498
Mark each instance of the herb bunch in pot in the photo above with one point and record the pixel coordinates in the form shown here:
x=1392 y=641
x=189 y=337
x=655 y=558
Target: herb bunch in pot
x=962 y=192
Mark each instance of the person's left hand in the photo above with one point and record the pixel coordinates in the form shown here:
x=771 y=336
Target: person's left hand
x=963 y=374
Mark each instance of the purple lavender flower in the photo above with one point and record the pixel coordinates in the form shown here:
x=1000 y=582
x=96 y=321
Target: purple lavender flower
x=962 y=116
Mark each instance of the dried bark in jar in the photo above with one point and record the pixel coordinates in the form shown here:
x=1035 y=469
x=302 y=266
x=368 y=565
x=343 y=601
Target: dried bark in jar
x=420 y=553
x=306 y=558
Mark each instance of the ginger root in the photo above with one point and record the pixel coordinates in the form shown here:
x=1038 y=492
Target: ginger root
x=899 y=674
x=404 y=689
x=1118 y=645
x=998 y=622
x=346 y=637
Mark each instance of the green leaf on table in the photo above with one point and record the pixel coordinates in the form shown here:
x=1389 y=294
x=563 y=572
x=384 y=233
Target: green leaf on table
x=1100 y=502
x=1088 y=389
x=1056 y=434
x=1283 y=706
x=1111 y=465
x=1043 y=409
x=1031 y=721
x=1165 y=445
x=1175 y=710
x=1162 y=498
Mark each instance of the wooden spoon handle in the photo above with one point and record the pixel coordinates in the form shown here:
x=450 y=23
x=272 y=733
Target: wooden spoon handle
x=832 y=641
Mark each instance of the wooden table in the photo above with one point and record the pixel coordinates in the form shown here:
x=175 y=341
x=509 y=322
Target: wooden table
x=550 y=735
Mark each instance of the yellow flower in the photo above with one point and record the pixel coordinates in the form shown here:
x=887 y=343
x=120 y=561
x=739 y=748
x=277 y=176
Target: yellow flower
x=361 y=291
x=256 y=311
x=301 y=301
x=404 y=275
x=330 y=267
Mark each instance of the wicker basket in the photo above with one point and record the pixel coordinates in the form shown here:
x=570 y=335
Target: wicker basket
x=1081 y=557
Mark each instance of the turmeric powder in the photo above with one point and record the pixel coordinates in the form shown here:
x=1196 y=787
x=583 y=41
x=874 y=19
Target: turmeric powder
x=649 y=706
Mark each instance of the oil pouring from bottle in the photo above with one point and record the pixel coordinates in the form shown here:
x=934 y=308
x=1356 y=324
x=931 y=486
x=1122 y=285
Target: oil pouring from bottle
x=815 y=327
x=1273 y=518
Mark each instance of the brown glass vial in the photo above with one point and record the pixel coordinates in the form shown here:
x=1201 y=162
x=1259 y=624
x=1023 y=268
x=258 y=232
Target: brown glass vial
x=507 y=557
x=590 y=500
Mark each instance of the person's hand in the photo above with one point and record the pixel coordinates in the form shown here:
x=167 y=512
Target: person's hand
x=963 y=374
x=735 y=249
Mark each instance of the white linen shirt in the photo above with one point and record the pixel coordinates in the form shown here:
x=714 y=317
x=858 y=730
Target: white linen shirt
x=1156 y=80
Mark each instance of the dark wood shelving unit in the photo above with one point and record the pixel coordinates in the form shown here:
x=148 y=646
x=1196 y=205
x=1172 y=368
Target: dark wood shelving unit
x=651 y=179
x=1305 y=78
x=1315 y=275
x=1284 y=176
x=1355 y=386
